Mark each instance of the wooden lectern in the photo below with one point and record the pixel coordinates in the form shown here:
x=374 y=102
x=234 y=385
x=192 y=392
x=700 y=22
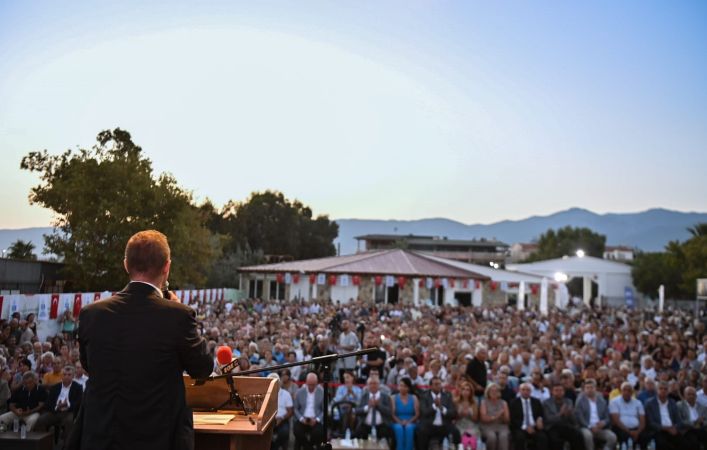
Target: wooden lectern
x=252 y=432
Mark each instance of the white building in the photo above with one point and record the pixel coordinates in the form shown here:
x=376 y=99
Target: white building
x=613 y=279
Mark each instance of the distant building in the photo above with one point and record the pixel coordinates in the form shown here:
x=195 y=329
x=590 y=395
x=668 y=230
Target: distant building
x=478 y=251
x=618 y=253
x=30 y=277
x=520 y=251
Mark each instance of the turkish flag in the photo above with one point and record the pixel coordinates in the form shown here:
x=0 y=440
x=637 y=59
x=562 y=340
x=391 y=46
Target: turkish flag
x=477 y=284
x=379 y=280
x=438 y=282
x=54 y=309
x=421 y=283
x=401 y=282
x=312 y=278
x=96 y=296
x=295 y=278
x=493 y=285
x=279 y=278
x=1 y=300
x=77 y=304
x=534 y=289
x=451 y=282
x=356 y=280
x=465 y=284
x=332 y=280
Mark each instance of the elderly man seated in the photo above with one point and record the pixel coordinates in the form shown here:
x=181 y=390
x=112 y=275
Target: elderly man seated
x=26 y=402
x=694 y=419
x=309 y=413
x=628 y=418
x=373 y=410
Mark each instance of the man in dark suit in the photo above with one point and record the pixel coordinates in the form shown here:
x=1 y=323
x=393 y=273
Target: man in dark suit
x=374 y=410
x=136 y=346
x=437 y=411
x=527 y=420
x=560 y=420
x=63 y=403
x=664 y=420
x=309 y=414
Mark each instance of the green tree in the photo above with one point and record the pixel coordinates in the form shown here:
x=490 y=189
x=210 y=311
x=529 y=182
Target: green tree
x=22 y=250
x=678 y=267
x=566 y=241
x=650 y=270
x=270 y=223
x=103 y=195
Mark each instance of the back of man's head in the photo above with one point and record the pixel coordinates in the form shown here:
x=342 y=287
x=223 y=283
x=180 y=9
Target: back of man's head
x=146 y=253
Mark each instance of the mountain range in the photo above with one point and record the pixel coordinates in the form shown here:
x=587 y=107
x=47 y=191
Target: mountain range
x=649 y=230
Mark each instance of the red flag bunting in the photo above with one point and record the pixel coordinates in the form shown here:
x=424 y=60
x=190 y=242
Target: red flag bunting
x=54 y=309
x=332 y=280
x=295 y=278
x=96 y=296
x=534 y=289
x=280 y=278
x=438 y=282
x=312 y=278
x=465 y=284
x=401 y=282
x=378 y=279
x=493 y=285
x=356 y=280
x=77 y=304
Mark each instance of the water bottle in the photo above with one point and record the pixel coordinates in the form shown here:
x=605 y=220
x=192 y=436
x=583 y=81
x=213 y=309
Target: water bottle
x=623 y=446
x=347 y=436
x=651 y=445
x=374 y=433
x=23 y=431
x=16 y=425
x=445 y=444
x=629 y=446
x=480 y=444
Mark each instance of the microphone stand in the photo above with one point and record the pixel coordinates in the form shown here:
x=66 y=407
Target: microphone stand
x=323 y=362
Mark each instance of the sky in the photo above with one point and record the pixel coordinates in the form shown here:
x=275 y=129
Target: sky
x=471 y=110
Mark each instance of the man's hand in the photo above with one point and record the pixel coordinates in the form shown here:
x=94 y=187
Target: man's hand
x=539 y=423
x=672 y=430
x=438 y=402
x=173 y=296
x=634 y=435
x=530 y=430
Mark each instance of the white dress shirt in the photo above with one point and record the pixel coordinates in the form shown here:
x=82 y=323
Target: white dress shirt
x=438 y=411
x=593 y=413
x=664 y=415
x=309 y=412
x=63 y=396
x=369 y=411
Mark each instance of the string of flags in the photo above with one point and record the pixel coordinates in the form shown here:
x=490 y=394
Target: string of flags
x=345 y=280
x=52 y=306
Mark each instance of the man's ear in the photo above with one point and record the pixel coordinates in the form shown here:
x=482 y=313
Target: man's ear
x=125 y=265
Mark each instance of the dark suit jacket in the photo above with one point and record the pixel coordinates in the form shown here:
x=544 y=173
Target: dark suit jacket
x=427 y=411
x=653 y=414
x=516 y=411
x=383 y=407
x=75 y=397
x=135 y=347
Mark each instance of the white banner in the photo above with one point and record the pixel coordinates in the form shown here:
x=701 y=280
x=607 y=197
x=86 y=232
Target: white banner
x=429 y=283
x=66 y=303
x=288 y=278
x=321 y=279
x=45 y=302
x=14 y=304
x=389 y=281
x=344 y=280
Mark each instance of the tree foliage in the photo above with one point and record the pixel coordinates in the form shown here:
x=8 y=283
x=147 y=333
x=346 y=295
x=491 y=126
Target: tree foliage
x=566 y=241
x=22 y=250
x=269 y=223
x=103 y=195
x=678 y=267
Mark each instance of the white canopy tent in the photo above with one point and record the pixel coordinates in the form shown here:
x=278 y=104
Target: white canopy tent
x=612 y=278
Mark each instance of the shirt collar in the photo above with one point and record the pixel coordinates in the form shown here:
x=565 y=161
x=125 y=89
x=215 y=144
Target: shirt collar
x=149 y=284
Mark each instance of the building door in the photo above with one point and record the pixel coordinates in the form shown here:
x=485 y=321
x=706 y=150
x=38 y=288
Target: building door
x=439 y=296
x=393 y=294
x=255 y=289
x=463 y=298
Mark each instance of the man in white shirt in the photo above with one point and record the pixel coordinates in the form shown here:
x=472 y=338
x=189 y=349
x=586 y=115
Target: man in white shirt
x=664 y=421
x=80 y=377
x=348 y=342
x=281 y=433
x=592 y=415
x=628 y=417
x=309 y=413
x=694 y=418
x=374 y=408
x=437 y=413
x=63 y=403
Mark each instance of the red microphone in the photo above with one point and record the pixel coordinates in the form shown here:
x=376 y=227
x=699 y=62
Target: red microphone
x=224 y=356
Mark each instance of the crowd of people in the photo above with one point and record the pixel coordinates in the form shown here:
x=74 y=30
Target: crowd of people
x=590 y=378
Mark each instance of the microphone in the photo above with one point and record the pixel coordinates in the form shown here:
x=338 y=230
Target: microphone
x=224 y=355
